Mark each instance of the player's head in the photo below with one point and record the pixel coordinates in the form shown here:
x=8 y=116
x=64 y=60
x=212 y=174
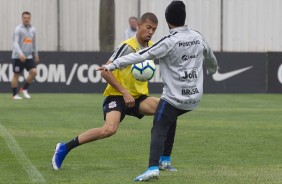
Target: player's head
x=175 y=14
x=147 y=26
x=26 y=16
x=133 y=23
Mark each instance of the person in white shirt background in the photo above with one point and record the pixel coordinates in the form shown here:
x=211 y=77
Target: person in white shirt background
x=24 y=50
x=132 y=30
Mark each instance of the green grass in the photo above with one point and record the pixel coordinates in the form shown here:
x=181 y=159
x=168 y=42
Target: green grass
x=228 y=139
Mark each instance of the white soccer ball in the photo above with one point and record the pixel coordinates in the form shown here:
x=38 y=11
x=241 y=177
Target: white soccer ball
x=143 y=71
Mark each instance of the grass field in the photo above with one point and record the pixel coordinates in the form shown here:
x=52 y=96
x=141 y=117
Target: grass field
x=228 y=139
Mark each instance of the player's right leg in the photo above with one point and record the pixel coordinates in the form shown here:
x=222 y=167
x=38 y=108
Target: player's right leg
x=108 y=129
x=113 y=108
x=17 y=69
x=14 y=86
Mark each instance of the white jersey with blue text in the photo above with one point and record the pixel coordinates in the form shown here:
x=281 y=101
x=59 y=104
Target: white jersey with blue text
x=181 y=55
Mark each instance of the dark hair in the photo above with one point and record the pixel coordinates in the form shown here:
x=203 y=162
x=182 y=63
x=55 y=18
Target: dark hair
x=26 y=13
x=152 y=17
x=175 y=13
x=132 y=17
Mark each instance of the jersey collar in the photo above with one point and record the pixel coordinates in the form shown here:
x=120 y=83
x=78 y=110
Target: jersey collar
x=179 y=29
x=140 y=46
x=28 y=26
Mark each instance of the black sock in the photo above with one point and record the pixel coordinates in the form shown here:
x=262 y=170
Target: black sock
x=15 y=91
x=26 y=85
x=72 y=144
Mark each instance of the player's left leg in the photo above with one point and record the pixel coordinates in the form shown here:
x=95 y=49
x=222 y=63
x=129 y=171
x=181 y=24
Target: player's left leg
x=32 y=72
x=165 y=117
x=163 y=131
x=165 y=160
x=148 y=106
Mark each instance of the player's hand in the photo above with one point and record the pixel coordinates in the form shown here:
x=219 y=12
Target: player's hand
x=128 y=99
x=37 y=60
x=22 y=58
x=107 y=67
x=100 y=68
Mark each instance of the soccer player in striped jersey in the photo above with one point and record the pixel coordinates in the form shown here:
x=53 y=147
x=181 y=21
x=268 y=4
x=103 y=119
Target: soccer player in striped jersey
x=124 y=95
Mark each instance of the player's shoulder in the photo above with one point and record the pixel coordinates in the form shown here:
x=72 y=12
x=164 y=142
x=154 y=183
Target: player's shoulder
x=121 y=50
x=129 y=40
x=18 y=27
x=131 y=43
x=196 y=33
x=32 y=27
x=124 y=46
x=170 y=39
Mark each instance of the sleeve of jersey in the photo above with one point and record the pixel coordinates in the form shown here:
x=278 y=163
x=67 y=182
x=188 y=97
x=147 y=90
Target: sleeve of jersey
x=17 y=41
x=156 y=51
x=35 y=51
x=122 y=50
x=210 y=60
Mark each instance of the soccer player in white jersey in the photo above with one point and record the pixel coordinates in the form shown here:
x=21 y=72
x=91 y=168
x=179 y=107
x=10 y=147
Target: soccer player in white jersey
x=181 y=55
x=24 y=50
x=124 y=96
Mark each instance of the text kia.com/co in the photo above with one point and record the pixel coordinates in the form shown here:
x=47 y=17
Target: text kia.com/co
x=57 y=73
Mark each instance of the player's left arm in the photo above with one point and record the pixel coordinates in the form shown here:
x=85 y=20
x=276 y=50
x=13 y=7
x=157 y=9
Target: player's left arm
x=210 y=59
x=35 y=51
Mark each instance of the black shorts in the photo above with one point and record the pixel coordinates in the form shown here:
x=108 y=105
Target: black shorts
x=18 y=66
x=116 y=103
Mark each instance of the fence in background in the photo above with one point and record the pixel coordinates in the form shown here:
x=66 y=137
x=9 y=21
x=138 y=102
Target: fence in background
x=73 y=25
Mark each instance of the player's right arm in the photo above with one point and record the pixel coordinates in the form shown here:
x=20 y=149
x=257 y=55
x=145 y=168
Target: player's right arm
x=110 y=78
x=17 y=46
x=35 y=51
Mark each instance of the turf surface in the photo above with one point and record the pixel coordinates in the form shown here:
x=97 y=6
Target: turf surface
x=234 y=138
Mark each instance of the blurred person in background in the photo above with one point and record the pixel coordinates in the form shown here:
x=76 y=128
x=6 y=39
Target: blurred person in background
x=24 y=50
x=132 y=30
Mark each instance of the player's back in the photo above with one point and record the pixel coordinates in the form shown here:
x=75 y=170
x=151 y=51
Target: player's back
x=181 y=68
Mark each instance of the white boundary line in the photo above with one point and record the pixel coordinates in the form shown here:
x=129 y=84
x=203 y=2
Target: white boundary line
x=29 y=168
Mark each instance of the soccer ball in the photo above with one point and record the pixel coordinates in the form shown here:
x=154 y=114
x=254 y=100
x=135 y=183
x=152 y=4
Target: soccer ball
x=143 y=71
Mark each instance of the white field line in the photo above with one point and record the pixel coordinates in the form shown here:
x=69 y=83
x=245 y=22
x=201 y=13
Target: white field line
x=29 y=168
